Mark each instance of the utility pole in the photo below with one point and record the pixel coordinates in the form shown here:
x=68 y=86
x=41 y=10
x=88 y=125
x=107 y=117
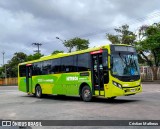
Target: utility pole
x=3 y=57
x=38 y=45
x=5 y=69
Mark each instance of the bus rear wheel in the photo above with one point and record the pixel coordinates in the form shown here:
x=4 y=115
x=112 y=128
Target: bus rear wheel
x=38 y=92
x=86 y=94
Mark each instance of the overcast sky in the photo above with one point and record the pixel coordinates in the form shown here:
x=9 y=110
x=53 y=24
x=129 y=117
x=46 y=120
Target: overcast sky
x=23 y=22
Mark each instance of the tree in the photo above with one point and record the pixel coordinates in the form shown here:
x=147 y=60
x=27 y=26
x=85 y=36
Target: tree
x=124 y=36
x=34 y=56
x=78 y=43
x=12 y=66
x=57 y=51
x=81 y=44
x=149 y=44
x=2 y=69
x=69 y=45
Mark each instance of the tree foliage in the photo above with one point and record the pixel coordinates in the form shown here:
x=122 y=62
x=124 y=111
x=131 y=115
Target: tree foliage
x=12 y=65
x=150 y=44
x=34 y=56
x=124 y=36
x=57 y=51
x=77 y=43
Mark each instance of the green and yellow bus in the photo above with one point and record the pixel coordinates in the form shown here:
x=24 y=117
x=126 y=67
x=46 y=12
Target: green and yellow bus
x=108 y=71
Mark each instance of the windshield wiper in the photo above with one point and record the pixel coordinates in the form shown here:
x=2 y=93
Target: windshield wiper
x=125 y=62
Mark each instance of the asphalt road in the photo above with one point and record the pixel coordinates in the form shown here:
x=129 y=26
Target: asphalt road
x=16 y=105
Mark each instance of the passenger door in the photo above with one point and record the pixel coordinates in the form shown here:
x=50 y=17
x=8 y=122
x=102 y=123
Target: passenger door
x=99 y=65
x=29 y=78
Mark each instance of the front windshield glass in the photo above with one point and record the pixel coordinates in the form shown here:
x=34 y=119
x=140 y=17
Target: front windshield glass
x=124 y=64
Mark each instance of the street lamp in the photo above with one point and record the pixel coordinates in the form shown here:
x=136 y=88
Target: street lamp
x=61 y=40
x=67 y=45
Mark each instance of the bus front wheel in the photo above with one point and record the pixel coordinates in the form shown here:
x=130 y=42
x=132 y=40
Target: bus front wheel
x=86 y=94
x=38 y=92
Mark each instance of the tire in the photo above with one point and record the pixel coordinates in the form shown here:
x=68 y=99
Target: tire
x=38 y=92
x=86 y=94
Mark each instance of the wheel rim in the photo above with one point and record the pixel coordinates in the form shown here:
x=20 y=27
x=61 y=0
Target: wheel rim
x=87 y=93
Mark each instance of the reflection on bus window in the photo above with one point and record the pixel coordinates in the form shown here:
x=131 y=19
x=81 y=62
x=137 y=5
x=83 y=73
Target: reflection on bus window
x=125 y=65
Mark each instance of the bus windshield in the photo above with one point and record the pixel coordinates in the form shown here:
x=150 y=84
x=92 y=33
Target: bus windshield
x=124 y=64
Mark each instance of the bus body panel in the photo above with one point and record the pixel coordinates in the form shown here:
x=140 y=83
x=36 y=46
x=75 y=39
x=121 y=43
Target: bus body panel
x=65 y=84
x=22 y=84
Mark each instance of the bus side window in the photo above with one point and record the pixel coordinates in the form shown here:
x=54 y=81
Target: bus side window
x=84 y=62
x=37 y=68
x=22 y=70
x=55 y=66
x=68 y=64
x=46 y=67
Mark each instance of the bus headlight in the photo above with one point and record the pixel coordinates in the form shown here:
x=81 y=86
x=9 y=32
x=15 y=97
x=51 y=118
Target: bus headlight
x=117 y=84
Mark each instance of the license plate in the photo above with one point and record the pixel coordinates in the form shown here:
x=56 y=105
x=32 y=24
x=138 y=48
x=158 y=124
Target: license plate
x=132 y=90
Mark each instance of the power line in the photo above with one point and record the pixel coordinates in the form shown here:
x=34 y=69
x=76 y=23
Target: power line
x=131 y=22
